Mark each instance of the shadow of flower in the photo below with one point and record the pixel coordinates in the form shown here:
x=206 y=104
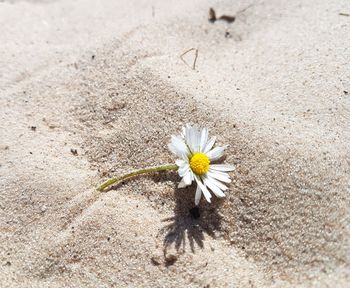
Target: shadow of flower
x=190 y=224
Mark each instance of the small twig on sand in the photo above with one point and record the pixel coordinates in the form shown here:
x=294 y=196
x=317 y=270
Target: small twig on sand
x=344 y=14
x=244 y=9
x=228 y=18
x=195 y=57
x=212 y=15
x=195 y=60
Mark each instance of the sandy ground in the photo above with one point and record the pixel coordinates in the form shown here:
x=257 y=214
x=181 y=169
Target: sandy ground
x=105 y=78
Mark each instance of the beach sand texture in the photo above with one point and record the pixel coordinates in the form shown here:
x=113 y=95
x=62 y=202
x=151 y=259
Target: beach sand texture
x=106 y=78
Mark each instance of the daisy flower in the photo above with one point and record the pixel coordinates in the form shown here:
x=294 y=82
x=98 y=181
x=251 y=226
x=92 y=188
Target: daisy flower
x=196 y=164
x=197 y=155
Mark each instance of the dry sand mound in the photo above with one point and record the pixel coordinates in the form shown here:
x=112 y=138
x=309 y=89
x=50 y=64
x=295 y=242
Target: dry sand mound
x=285 y=220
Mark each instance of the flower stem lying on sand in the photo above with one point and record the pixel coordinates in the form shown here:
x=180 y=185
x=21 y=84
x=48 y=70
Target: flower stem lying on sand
x=136 y=173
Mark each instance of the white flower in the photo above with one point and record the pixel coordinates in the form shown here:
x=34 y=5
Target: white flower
x=196 y=154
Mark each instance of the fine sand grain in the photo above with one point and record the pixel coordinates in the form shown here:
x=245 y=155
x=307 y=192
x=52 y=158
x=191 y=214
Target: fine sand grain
x=89 y=91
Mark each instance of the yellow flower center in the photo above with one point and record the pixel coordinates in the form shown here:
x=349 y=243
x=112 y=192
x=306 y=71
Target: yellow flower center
x=199 y=163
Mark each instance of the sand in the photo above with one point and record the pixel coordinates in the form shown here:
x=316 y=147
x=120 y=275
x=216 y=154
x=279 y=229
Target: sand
x=107 y=80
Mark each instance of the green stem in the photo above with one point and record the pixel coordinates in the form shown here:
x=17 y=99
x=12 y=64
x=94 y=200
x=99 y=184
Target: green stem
x=113 y=180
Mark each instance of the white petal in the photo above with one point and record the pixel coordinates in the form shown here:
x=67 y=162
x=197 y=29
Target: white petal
x=198 y=195
x=174 y=150
x=216 y=190
x=178 y=146
x=183 y=170
x=192 y=138
x=188 y=135
x=222 y=167
x=182 y=184
x=197 y=139
x=204 y=189
x=217 y=183
x=209 y=145
x=204 y=139
x=221 y=176
x=177 y=139
x=220 y=172
x=216 y=153
x=183 y=132
x=188 y=178
x=180 y=163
